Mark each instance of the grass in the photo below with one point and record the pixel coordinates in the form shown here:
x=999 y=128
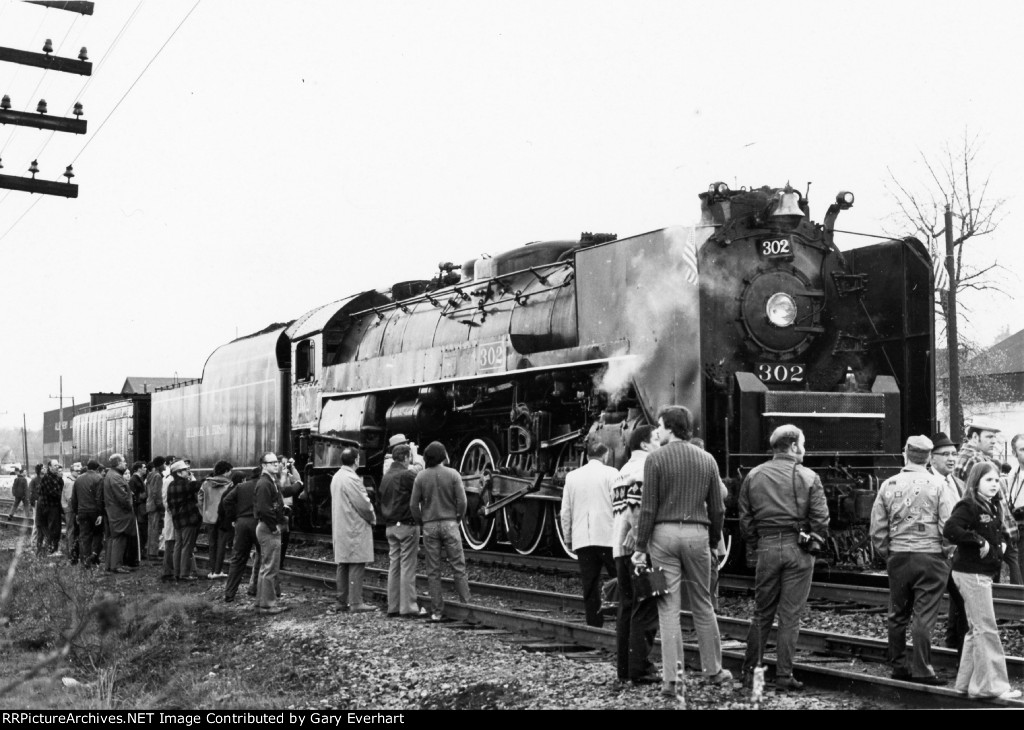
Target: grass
x=76 y=639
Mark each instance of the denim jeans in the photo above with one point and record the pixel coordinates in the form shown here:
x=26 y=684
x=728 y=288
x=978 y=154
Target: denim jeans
x=270 y=566
x=683 y=552
x=402 y=543
x=244 y=541
x=437 y=536
x=916 y=584
x=983 y=664
x=781 y=585
x=216 y=539
x=185 y=550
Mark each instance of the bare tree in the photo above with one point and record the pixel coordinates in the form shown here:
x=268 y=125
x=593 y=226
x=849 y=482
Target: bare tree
x=954 y=181
x=954 y=189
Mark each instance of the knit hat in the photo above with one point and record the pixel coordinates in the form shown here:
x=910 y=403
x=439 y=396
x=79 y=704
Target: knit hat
x=435 y=454
x=179 y=465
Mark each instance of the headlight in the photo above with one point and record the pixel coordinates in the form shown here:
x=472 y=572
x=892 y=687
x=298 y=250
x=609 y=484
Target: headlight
x=781 y=309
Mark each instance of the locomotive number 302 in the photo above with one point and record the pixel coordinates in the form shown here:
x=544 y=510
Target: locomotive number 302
x=775 y=247
x=773 y=373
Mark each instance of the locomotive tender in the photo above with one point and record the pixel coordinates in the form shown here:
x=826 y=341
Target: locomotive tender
x=751 y=319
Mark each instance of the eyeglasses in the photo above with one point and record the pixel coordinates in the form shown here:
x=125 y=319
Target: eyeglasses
x=270 y=462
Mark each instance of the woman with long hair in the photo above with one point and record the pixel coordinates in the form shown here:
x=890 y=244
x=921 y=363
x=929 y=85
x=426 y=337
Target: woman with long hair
x=976 y=528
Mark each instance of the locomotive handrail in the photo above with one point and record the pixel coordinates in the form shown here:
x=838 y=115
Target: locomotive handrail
x=432 y=297
x=822 y=414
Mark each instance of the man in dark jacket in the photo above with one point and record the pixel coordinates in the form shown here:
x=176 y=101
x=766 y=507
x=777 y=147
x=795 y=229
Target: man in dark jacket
x=183 y=505
x=19 y=491
x=48 y=512
x=240 y=508
x=137 y=487
x=33 y=501
x=269 y=513
x=117 y=505
x=402 y=532
x=85 y=506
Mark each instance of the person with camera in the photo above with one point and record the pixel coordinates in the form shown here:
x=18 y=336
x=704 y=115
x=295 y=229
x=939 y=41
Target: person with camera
x=637 y=619
x=976 y=528
x=907 y=522
x=680 y=523
x=783 y=514
x=291 y=485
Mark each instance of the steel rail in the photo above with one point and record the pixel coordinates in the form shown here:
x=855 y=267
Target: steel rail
x=907 y=694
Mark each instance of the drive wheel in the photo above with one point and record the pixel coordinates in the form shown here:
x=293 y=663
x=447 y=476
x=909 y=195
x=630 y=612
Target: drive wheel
x=525 y=520
x=478 y=460
x=566 y=462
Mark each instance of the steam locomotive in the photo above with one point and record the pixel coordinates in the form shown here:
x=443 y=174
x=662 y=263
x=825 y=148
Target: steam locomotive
x=751 y=318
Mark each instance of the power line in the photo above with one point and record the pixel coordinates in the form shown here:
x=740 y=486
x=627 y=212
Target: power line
x=115 y=107
x=138 y=78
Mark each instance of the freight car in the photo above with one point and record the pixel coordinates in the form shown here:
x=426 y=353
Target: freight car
x=751 y=318
x=113 y=427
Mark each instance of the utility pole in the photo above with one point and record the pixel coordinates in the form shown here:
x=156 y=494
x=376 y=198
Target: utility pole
x=956 y=414
x=60 y=420
x=24 y=437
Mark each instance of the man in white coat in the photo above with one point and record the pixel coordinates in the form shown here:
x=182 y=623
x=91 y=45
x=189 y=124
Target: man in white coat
x=352 y=520
x=587 y=524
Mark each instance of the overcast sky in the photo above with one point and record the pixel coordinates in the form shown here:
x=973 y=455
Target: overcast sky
x=275 y=156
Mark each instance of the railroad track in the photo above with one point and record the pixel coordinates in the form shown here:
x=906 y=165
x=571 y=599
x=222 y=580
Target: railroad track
x=552 y=633
x=1008 y=600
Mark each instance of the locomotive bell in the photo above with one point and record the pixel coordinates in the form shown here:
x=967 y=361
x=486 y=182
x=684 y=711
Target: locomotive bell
x=787 y=207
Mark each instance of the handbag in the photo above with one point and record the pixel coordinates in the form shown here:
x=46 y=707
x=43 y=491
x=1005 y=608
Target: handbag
x=649 y=583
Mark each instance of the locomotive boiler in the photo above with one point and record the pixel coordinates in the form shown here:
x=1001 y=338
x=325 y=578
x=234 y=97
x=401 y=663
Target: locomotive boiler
x=751 y=318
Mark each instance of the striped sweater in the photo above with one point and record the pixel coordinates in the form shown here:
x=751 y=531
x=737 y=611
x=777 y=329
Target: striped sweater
x=681 y=484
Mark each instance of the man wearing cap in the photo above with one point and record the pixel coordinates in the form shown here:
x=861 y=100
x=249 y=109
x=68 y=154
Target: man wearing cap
x=117 y=505
x=86 y=501
x=416 y=463
x=982 y=437
x=907 y=520
x=943 y=462
x=403 y=534
x=182 y=503
x=777 y=500
x=980 y=445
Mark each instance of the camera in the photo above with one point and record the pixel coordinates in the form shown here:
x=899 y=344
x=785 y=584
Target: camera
x=810 y=542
